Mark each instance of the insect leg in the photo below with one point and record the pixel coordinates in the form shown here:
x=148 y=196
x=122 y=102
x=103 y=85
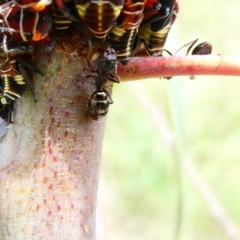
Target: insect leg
x=10 y=113
x=30 y=67
x=28 y=82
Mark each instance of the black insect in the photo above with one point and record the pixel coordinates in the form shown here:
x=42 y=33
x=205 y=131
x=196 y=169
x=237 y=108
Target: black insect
x=6 y=111
x=99 y=103
x=100 y=99
x=203 y=48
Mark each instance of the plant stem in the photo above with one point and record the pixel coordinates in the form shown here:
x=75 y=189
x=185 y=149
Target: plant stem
x=50 y=157
x=157 y=67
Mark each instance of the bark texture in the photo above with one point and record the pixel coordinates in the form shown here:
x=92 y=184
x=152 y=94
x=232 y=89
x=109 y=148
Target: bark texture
x=49 y=159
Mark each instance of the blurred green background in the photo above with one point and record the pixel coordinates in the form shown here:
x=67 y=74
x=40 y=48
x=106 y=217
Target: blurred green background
x=140 y=180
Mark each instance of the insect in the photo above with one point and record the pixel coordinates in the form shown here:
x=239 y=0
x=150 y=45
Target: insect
x=106 y=67
x=39 y=5
x=122 y=36
x=36 y=5
x=60 y=20
x=99 y=103
x=6 y=111
x=100 y=99
x=12 y=87
x=203 y=48
x=153 y=31
x=14 y=81
x=22 y=25
x=13 y=77
x=99 y=15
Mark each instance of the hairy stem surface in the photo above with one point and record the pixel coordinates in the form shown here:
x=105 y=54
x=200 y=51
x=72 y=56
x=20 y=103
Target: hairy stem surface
x=157 y=67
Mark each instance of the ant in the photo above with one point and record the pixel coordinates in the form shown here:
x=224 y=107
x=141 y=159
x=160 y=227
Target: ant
x=100 y=99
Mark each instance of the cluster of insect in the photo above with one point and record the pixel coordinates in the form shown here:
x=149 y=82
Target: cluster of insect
x=126 y=28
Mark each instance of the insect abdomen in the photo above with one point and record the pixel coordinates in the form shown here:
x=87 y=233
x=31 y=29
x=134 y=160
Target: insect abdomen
x=122 y=37
x=154 y=33
x=99 y=15
x=13 y=87
x=99 y=104
x=61 y=21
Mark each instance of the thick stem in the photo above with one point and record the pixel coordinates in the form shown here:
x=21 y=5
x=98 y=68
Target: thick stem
x=50 y=156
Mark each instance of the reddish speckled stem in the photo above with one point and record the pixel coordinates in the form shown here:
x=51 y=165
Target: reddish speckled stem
x=157 y=67
x=49 y=160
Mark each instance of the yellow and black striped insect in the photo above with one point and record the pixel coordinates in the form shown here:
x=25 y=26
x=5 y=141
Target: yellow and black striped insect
x=60 y=20
x=153 y=31
x=13 y=77
x=122 y=36
x=99 y=15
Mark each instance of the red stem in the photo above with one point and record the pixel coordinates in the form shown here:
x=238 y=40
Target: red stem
x=157 y=67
